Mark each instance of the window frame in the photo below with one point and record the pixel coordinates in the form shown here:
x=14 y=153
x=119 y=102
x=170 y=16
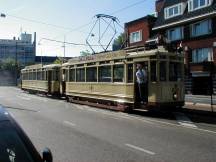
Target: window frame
x=99 y=72
x=91 y=67
x=191 y=5
x=114 y=66
x=181 y=30
x=181 y=7
x=210 y=55
x=140 y=35
x=81 y=68
x=192 y=28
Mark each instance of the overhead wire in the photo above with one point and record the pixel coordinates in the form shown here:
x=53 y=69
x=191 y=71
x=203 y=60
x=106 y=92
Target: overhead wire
x=74 y=29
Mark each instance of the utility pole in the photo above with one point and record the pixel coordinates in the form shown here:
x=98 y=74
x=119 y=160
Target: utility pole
x=41 y=57
x=64 y=50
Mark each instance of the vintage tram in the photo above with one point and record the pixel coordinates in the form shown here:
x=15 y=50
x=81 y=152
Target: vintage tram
x=44 y=79
x=108 y=80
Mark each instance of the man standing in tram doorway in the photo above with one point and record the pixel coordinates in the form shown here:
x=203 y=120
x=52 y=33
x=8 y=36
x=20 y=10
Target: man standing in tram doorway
x=141 y=75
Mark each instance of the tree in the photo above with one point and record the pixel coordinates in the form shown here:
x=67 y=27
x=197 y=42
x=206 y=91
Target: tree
x=9 y=64
x=85 y=53
x=58 y=61
x=119 y=42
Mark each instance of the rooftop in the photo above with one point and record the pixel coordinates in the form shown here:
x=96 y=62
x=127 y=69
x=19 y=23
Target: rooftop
x=187 y=16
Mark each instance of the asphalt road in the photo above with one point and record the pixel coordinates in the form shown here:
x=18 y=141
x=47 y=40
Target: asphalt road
x=81 y=133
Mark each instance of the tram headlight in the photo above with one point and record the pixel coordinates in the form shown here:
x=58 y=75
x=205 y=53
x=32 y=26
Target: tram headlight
x=175 y=96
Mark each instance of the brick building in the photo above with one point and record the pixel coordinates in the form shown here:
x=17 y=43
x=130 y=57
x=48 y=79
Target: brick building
x=191 y=23
x=138 y=31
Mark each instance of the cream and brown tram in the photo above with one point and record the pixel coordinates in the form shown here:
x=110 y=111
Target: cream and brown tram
x=108 y=80
x=44 y=79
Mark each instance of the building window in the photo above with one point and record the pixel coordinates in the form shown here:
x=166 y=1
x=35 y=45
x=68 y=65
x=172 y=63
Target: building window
x=201 y=28
x=175 y=34
x=197 y=4
x=136 y=36
x=202 y=54
x=174 y=10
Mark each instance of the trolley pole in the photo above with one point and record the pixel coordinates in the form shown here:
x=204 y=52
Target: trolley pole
x=64 y=50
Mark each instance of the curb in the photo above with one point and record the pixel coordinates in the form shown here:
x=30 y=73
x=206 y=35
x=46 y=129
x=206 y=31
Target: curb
x=200 y=108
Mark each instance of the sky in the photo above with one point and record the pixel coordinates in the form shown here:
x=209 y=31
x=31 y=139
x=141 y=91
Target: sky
x=68 y=19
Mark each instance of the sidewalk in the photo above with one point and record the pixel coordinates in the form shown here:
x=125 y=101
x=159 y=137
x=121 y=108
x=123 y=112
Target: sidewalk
x=200 y=103
x=200 y=106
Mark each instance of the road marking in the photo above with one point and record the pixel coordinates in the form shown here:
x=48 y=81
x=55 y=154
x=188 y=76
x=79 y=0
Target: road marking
x=183 y=120
x=140 y=149
x=69 y=123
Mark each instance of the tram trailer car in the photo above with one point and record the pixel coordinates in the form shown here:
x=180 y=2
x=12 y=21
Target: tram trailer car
x=42 y=79
x=108 y=80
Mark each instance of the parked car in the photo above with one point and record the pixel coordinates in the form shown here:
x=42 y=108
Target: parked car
x=15 y=146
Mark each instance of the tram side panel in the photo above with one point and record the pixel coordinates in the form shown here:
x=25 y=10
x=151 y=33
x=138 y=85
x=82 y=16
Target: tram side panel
x=35 y=85
x=117 y=93
x=166 y=94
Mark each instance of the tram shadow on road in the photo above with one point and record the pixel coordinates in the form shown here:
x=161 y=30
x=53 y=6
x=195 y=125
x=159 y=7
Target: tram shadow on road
x=169 y=114
x=162 y=113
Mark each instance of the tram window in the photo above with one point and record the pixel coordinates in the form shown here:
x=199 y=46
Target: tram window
x=34 y=75
x=80 y=75
x=91 y=74
x=175 y=71
x=30 y=76
x=118 y=73
x=72 y=75
x=163 y=71
x=130 y=73
x=153 y=71
x=105 y=74
x=39 y=75
x=55 y=75
x=23 y=76
x=43 y=75
x=66 y=75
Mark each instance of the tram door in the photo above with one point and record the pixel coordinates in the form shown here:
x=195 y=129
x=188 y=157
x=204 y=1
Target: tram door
x=49 y=78
x=63 y=81
x=141 y=82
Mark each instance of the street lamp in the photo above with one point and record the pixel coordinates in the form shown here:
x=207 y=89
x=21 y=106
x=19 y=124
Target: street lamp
x=2 y=15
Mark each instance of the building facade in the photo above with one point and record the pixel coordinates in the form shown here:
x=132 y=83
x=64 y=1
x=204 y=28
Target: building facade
x=138 y=31
x=192 y=25
x=21 y=50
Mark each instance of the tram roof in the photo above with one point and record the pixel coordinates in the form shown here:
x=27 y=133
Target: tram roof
x=52 y=66
x=121 y=54
x=36 y=66
x=40 y=66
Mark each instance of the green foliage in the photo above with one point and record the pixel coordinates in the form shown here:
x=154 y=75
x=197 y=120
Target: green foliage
x=119 y=42
x=58 y=61
x=85 y=53
x=9 y=64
